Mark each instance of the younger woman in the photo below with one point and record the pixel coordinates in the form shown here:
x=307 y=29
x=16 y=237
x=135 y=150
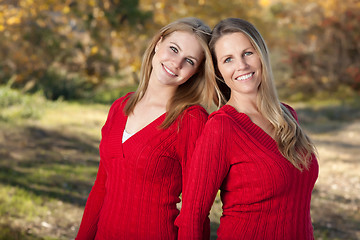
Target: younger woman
x=149 y=136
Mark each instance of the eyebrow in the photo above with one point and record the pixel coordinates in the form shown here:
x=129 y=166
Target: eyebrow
x=246 y=49
x=231 y=54
x=194 y=58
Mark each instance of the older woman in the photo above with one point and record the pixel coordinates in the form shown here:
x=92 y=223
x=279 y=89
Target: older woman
x=253 y=149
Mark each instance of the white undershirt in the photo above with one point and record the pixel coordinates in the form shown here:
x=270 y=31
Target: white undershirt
x=126 y=136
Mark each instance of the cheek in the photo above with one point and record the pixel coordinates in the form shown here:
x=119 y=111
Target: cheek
x=189 y=73
x=154 y=60
x=224 y=72
x=220 y=70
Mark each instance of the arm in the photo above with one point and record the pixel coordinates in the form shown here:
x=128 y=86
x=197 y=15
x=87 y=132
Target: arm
x=207 y=169
x=192 y=125
x=88 y=226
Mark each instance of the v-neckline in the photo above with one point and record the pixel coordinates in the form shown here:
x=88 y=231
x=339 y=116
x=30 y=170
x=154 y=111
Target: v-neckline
x=253 y=129
x=147 y=128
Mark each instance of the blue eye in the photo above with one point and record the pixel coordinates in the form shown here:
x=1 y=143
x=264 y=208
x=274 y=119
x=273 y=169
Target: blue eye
x=190 y=61
x=248 y=53
x=174 y=49
x=229 y=59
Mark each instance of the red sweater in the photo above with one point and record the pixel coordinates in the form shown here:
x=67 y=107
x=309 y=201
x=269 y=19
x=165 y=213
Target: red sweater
x=264 y=196
x=139 y=181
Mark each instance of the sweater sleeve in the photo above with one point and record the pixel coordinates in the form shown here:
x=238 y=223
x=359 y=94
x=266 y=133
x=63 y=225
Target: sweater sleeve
x=207 y=169
x=292 y=111
x=192 y=124
x=88 y=226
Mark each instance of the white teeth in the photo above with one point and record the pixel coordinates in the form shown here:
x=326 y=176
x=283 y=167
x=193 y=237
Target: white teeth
x=244 y=77
x=167 y=70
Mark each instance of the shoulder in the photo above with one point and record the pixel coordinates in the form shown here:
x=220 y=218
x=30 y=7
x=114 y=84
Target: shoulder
x=291 y=110
x=123 y=99
x=221 y=115
x=195 y=113
x=118 y=105
x=220 y=120
x=120 y=102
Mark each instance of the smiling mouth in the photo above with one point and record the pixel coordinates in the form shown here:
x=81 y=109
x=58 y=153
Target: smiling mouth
x=245 y=77
x=168 y=71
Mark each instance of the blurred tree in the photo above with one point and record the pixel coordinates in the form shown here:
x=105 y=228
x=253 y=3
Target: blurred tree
x=323 y=45
x=66 y=45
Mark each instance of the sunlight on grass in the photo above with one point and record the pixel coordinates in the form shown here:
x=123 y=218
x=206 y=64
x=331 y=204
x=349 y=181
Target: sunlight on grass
x=19 y=203
x=15 y=105
x=81 y=118
x=49 y=160
x=80 y=173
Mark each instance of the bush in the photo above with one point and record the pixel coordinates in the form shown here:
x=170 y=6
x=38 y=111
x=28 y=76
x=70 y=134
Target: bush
x=16 y=105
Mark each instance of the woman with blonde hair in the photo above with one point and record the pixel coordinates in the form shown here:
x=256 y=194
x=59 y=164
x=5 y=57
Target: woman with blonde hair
x=253 y=149
x=150 y=135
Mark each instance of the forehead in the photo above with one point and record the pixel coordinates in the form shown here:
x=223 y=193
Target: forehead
x=187 y=41
x=180 y=36
x=233 y=41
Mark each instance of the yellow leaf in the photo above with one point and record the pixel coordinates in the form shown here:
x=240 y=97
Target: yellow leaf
x=94 y=50
x=264 y=3
x=92 y=3
x=13 y=20
x=159 y=5
x=66 y=10
x=2 y=28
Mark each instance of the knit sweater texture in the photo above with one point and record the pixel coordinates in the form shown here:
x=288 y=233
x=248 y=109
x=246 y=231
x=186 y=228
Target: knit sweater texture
x=139 y=181
x=264 y=196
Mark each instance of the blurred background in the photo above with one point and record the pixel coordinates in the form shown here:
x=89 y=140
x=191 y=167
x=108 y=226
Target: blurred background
x=62 y=63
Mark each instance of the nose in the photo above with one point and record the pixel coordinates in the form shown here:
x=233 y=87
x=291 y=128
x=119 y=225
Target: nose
x=177 y=62
x=242 y=64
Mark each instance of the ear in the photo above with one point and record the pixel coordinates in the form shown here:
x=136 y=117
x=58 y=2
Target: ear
x=157 y=44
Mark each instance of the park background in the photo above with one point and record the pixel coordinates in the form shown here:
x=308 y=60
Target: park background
x=62 y=63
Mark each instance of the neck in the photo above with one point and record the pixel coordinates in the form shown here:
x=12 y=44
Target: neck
x=157 y=93
x=244 y=103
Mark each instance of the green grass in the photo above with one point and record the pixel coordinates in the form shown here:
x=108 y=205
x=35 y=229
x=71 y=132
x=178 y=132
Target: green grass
x=48 y=163
x=7 y=232
x=19 y=203
x=15 y=105
x=49 y=158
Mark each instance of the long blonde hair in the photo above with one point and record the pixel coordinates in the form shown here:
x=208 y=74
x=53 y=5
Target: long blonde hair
x=292 y=141
x=200 y=88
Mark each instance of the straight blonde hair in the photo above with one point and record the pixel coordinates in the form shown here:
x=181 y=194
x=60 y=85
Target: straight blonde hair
x=201 y=88
x=292 y=141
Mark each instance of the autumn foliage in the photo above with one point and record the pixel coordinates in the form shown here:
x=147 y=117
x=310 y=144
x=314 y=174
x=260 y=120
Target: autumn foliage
x=67 y=48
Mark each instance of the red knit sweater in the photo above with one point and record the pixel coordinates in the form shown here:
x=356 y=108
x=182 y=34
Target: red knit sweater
x=264 y=196
x=139 y=181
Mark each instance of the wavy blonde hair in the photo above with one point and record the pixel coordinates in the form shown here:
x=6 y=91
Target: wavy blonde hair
x=292 y=141
x=201 y=88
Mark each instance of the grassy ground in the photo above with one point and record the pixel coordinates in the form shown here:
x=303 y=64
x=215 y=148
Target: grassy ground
x=49 y=159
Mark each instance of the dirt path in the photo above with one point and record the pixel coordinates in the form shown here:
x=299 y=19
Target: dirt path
x=336 y=199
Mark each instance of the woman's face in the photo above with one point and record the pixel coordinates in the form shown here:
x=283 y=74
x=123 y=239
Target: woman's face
x=238 y=63
x=177 y=58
